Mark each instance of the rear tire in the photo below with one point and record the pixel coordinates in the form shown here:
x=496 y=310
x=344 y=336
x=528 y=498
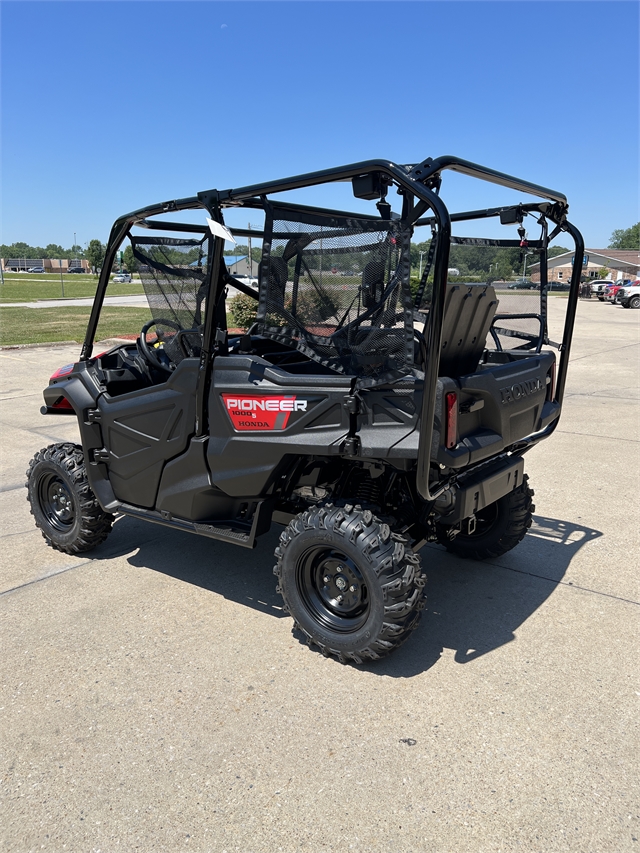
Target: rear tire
x=62 y=503
x=499 y=526
x=634 y=302
x=354 y=588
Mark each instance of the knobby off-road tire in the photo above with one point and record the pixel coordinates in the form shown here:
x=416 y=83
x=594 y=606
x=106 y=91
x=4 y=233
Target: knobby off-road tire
x=62 y=503
x=353 y=587
x=499 y=526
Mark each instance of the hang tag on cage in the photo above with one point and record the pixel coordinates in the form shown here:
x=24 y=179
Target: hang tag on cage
x=219 y=230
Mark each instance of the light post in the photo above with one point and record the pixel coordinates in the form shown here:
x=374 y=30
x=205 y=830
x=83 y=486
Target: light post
x=250 y=226
x=421 y=255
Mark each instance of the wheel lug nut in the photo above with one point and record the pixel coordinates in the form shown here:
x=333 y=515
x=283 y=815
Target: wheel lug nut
x=338 y=598
x=326 y=579
x=353 y=588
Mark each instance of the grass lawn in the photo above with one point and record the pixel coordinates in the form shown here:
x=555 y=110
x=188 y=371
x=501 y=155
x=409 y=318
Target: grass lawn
x=47 y=325
x=22 y=289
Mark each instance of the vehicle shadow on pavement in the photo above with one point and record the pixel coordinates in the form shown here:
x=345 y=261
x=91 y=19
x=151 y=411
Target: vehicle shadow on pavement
x=475 y=607
x=472 y=607
x=238 y=574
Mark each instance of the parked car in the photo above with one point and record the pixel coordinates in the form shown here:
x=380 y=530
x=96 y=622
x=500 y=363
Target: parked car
x=612 y=291
x=629 y=295
x=250 y=281
x=35 y=269
x=522 y=284
x=77 y=270
x=558 y=285
x=122 y=277
x=599 y=287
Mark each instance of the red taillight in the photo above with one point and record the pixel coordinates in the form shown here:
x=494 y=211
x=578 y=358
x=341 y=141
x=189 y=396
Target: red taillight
x=62 y=371
x=62 y=403
x=451 y=429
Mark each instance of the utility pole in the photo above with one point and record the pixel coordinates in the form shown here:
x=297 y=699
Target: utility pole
x=250 y=255
x=61 y=279
x=420 y=275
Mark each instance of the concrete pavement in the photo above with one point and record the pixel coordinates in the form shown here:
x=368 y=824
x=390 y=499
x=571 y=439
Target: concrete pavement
x=155 y=698
x=137 y=300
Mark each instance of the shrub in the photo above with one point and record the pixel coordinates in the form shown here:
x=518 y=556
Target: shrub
x=243 y=309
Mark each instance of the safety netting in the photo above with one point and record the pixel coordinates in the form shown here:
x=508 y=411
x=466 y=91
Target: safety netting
x=336 y=288
x=173 y=272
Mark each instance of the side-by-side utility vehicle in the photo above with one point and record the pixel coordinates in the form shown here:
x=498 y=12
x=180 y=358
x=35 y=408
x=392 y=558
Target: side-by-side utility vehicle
x=366 y=412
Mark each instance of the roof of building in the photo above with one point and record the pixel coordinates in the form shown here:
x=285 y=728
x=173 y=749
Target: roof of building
x=627 y=260
x=233 y=259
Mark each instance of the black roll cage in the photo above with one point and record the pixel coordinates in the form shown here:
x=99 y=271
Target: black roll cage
x=422 y=182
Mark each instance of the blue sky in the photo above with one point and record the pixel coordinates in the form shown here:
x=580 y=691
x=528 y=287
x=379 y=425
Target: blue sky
x=109 y=106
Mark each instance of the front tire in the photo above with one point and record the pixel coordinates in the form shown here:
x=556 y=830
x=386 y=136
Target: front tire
x=62 y=502
x=354 y=588
x=500 y=526
x=634 y=302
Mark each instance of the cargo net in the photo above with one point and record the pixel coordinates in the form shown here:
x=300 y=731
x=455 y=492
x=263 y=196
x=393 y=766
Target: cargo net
x=337 y=289
x=173 y=272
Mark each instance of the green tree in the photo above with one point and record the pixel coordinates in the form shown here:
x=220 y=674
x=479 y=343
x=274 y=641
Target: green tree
x=95 y=253
x=53 y=250
x=129 y=260
x=18 y=250
x=626 y=238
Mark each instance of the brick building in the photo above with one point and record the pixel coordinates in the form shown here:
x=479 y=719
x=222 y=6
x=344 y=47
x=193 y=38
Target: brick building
x=619 y=263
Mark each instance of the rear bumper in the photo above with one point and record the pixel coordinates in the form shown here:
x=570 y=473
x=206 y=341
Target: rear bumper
x=484 y=487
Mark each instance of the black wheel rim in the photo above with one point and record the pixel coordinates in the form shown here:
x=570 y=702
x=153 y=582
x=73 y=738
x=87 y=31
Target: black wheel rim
x=56 y=502
x=332 y=589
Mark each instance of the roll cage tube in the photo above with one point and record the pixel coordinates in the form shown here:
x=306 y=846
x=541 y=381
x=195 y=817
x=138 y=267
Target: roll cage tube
x=430 y=168
x=565 y=346
x=424 y=172
x=119 y=231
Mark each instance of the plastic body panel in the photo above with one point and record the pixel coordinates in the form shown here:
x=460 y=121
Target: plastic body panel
x=82 y=388
x=143 y=429
x=508 y=402
x=244 y=462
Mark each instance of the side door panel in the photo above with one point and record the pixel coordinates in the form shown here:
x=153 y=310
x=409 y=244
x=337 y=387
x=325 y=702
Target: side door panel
x=144 y=429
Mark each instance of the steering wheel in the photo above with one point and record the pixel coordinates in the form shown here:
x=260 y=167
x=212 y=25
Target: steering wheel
x=149 y=353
